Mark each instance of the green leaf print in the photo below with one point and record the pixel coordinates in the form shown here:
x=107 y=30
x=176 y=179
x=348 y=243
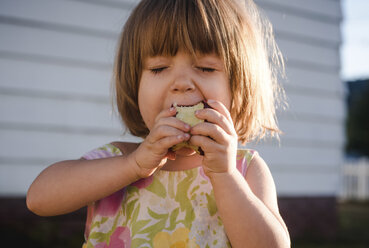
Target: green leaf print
x=212 y=207
x=131 y=190
x=157 y=188
x=135 y=213
x=138 y=242
x=154 y=229
x=89 y=244
x=171 y=186
x=104 y=219
x=173 y=219
x=156 y=215
x=194 y=189
x=130 y=208
x=99 y=236
x=137 y=226
x=183 y=200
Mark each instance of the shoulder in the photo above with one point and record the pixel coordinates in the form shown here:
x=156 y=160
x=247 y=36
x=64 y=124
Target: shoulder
x=110 y=150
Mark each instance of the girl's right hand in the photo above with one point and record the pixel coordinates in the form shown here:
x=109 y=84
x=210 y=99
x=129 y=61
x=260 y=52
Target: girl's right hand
x=153 y=152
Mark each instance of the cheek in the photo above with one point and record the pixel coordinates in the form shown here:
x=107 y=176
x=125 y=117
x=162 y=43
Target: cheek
x=148 y=103
x=219 y=90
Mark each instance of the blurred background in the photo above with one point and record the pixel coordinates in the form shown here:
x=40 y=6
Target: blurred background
x=56 y=59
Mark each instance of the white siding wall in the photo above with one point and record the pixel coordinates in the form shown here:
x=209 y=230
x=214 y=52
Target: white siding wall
x=55 y=70
x=310 y=155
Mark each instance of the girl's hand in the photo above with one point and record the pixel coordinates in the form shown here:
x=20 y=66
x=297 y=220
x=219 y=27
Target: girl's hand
x=217 y=138
x=153 y=152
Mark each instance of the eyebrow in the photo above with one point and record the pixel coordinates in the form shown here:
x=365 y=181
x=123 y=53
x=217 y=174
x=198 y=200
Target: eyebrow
x=211 y=60
x=156 y=59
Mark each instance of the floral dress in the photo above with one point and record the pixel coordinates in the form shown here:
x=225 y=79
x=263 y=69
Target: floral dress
x=169 y=209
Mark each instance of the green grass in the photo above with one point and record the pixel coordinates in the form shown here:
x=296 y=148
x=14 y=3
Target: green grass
x=353 y=229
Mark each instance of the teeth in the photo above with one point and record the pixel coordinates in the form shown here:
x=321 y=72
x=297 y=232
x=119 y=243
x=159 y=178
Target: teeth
x=185 y=105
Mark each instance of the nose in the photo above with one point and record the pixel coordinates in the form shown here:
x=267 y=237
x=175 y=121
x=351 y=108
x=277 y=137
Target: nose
x=182 y=84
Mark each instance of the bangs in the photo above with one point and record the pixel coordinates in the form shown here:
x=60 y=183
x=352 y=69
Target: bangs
x=170 y=26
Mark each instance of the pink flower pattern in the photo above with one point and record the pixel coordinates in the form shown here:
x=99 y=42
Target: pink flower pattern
x=143 y=182
x=109 y=205
x=121 y=238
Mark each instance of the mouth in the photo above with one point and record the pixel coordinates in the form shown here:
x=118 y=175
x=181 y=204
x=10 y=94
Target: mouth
x=174 y=104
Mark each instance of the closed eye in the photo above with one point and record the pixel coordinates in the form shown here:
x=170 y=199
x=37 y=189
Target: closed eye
x=206 y=69
x=158 y=70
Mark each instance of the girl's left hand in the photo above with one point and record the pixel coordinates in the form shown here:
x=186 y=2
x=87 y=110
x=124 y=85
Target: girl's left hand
x=217 y=138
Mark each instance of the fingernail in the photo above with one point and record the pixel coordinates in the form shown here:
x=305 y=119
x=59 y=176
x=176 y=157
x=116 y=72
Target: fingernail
x=187 y=126
x=171 y=109
x=186 y=135
x=210 y=101
x=179 y=137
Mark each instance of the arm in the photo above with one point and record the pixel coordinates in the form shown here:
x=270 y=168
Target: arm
x=249 y=209
x=69 y=185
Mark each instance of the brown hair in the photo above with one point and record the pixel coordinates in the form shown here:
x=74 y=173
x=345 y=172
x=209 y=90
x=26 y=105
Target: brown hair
x=232 y=29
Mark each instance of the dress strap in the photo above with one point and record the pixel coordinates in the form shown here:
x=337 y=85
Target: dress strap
x=244 y=158
x=105 y=151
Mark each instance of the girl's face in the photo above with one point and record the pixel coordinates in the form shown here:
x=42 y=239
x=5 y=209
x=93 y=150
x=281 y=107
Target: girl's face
x=181 y=79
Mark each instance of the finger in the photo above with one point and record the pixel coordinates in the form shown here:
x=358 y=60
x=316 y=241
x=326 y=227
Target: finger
x=219 y=106
x=173 y=122
x=213 y=116
x=161 y=132
x=210 y=130
x=170 y=141
x=205 y=143
x=166 y=113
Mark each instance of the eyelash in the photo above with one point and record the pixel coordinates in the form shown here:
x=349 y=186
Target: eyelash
x=160 y=69
x=206 y=69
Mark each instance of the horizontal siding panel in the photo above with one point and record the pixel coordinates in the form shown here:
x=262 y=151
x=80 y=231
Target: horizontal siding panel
x=328 y=8
x=311 y=183
x=107 y=19
x=28 y=75
x=15 y=180
x=298 y=156
x=52 y=43
x=318 y=106
x=313 y=80
x=319 y=56
x=130 y=3
x=36 y=145
x=312 y=131
x=74 y=113
x=291 y=24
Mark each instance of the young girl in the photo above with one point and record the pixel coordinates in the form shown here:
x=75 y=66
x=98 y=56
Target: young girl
x=146 y=195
